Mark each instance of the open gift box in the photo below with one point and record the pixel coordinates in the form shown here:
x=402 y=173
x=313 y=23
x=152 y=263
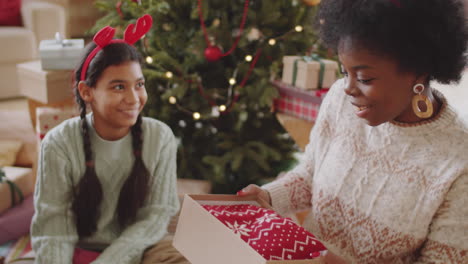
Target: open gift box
x=203 y=239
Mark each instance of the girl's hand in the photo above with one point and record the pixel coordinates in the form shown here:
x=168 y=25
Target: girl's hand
x=255 y=190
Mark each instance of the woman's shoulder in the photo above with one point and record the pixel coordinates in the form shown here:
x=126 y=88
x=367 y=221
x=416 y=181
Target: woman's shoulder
x=456 y=132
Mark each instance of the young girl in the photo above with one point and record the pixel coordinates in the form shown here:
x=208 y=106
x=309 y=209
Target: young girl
x=106 y=186
x=385 y=175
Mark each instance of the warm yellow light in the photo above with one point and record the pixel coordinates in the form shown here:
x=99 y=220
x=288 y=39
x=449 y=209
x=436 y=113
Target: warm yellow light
x=248 y=58
x=272 y=42
x=196 y=116
x=169 y=75
x=299 y=28
x=222 y=108
x=232 y=81
x=172 y=100
x=149 y=60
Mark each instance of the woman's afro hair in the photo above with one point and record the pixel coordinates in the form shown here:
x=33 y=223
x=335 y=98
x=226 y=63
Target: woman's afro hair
x=423 y=36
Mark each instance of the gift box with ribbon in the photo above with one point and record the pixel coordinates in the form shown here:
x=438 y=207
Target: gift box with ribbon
x=49 y=117
x=60 y=53
x=309 y=72
x=15 y=184
x=298 y=102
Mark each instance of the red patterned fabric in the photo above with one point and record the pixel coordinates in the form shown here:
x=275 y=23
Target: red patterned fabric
x=10 y=12
x=272 y=236
x=298 y=102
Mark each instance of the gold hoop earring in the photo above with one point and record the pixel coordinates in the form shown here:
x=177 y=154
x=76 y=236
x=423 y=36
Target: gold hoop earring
x=418 y=89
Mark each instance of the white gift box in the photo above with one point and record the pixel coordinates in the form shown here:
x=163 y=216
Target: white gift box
x=60 y=54
x=304 y=73
x=50 y=117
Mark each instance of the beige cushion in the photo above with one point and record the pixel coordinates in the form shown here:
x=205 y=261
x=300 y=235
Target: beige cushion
x=16 y=124
x=18 y=44
x=8 y=152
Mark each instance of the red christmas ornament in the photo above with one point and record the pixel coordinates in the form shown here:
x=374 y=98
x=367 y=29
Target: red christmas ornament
x=213 y=53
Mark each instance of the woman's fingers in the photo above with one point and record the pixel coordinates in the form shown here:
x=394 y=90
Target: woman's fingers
x=255 y=190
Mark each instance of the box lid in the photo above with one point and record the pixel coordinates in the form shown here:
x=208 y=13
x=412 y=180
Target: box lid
x=51 y=48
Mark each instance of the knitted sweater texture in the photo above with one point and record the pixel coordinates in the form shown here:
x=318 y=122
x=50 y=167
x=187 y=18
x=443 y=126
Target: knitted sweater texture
x=62 y=165
x=385 y=194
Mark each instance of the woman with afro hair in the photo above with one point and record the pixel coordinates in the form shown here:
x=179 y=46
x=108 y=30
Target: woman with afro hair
x=385 y=175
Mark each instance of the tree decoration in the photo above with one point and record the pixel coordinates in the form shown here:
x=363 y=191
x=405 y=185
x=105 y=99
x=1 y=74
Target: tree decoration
x=219 y=110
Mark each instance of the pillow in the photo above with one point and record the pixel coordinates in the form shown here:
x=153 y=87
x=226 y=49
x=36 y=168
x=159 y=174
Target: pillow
x=8 y=152
x=16 y=125
x=272 y=236
x=10 y=12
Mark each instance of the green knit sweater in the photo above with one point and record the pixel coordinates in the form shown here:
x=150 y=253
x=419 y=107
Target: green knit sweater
x=62 y=162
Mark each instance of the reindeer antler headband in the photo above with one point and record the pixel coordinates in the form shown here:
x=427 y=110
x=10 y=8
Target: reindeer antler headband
x=104 y=37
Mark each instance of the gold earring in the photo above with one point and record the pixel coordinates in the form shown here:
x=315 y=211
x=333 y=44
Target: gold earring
x=418 y=89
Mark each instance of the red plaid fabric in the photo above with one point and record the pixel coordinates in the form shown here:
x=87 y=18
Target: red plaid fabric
x=272 y=236
x=297 y=102
x=297 y=107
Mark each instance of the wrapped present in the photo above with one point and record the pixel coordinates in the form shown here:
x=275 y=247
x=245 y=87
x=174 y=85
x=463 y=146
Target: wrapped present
x=16 y=221
x=44 y=86
x=49 y=117
x=309 y=72
x=16 y=184
x=59 y=53
x=210 y=233
x=297 y=102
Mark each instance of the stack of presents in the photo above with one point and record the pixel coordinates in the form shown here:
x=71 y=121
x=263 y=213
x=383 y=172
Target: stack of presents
x=304 y=84
x=235 y=229
x=47 y=84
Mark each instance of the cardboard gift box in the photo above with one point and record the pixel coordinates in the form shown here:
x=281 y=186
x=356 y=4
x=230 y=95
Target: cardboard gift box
x=23 y=178
x=60 y=54
x=297 y=102
x=309 y=72
x=44 y=86
x=50 y=117
x=16 y=221
x=203 y=239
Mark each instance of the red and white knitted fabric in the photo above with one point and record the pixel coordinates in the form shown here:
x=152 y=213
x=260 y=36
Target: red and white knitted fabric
x=272 y=236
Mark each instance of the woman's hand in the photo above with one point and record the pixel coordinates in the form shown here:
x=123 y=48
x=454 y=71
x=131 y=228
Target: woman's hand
x=255 y=190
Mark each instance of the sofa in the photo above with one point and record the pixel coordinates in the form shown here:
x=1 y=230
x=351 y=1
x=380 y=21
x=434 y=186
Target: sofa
x=40 y=20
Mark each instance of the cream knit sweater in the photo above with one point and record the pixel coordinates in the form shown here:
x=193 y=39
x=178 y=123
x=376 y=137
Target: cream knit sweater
x=62 y=162
x=385 y=194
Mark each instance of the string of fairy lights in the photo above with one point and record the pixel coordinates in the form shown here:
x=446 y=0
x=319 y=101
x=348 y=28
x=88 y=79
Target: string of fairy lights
x=221 y=108
x=232 y=96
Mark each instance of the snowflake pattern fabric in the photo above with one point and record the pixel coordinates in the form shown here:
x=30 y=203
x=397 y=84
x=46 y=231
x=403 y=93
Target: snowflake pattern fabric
x=272 y=236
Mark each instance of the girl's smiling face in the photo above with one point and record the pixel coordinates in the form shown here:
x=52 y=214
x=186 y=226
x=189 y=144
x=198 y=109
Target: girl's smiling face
x=117 y=99
x=379 y=90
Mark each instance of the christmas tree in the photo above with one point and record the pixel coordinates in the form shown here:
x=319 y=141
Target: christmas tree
x=209 y=66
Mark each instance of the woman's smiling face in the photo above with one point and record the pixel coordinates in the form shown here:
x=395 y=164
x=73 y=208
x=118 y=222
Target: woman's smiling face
x=378 y=89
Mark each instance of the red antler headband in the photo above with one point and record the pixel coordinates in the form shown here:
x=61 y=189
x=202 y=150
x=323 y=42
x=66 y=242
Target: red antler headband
x=104 y=37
